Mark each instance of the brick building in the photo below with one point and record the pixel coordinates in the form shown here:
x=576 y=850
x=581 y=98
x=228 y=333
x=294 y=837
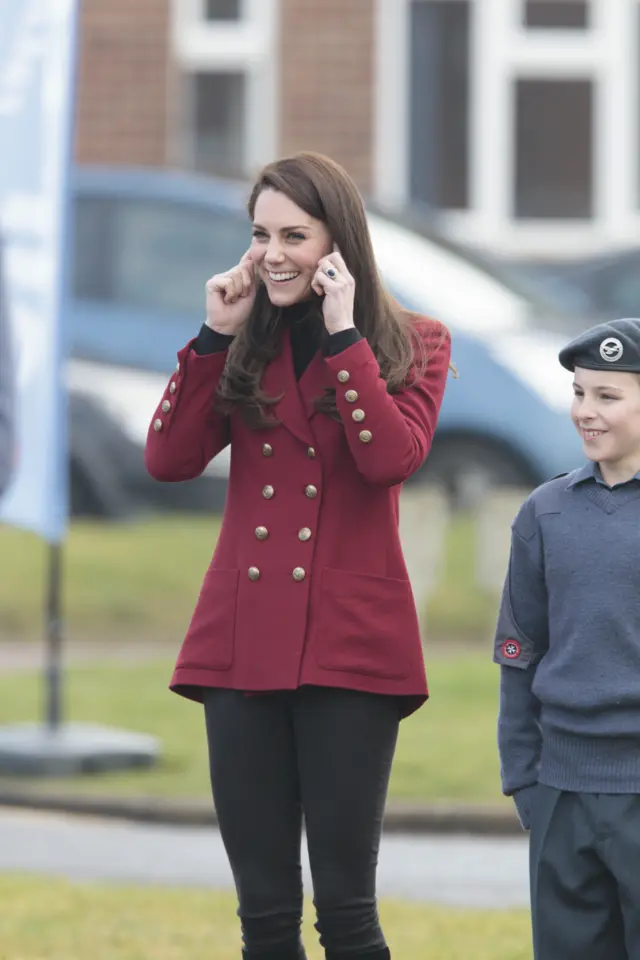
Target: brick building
x=516 y=121
x=224 y=85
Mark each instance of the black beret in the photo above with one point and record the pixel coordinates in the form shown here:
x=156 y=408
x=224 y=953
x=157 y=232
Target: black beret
x=609 y=346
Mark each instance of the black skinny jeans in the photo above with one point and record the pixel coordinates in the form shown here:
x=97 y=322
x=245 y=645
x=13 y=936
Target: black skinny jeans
x=320 y=752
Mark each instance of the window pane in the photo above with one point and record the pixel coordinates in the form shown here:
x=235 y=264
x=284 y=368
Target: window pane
x=554 y=156
x=222 y=9
x=93 y=248
x=556 y=14
x=166 y=251
x=218 y=123
x=440 y=68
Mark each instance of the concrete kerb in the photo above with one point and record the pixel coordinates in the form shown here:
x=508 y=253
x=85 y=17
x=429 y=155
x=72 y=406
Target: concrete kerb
x=408 y=818
x=400 y=817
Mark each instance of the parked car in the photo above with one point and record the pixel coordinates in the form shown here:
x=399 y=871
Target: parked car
x=608 y=284
x=145 y=242
x=107 y=477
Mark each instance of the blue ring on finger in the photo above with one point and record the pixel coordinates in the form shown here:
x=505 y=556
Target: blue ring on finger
x=331 y=272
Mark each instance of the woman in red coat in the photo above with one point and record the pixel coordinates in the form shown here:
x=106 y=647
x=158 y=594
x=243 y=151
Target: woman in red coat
x=304 y=645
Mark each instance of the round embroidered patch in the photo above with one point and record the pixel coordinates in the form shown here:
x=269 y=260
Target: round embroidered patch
x=611 y=349
x=511 y=649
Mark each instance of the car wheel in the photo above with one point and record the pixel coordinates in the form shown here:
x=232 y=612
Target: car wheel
x=85 y=500
x=467 y=467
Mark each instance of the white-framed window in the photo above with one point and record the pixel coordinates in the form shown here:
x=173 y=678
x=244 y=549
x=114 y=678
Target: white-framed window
x=555 y=14
x=518 y=121
x=227 y=110
x=216 y=10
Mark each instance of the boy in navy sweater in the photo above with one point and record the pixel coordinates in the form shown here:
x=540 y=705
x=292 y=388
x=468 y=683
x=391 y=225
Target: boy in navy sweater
x=568 y=645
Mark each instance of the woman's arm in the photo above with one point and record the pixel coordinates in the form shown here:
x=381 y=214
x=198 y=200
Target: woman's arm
x=186 y=433
x=390 y=435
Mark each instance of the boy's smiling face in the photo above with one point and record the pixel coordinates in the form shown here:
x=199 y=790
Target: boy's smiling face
x=606 y=413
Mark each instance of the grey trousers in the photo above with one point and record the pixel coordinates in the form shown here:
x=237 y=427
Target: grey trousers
x=585 y=875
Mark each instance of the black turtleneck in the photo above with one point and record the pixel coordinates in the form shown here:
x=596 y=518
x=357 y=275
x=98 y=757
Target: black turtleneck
x=307 y=337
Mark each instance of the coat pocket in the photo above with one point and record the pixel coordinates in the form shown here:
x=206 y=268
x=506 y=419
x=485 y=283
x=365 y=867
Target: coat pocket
x=209 y=643
x=366 y=625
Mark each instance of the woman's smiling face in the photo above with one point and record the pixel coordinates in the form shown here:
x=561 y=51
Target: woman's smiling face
x=287 y=246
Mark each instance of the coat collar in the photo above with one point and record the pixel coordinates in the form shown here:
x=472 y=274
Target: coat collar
x=313 y=383
x=296 y=406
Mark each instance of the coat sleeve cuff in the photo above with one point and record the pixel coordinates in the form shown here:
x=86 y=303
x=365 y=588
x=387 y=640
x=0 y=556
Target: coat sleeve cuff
x=337 y=342
x=210 y=341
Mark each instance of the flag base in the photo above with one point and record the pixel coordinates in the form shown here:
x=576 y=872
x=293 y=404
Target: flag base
x=36 y=750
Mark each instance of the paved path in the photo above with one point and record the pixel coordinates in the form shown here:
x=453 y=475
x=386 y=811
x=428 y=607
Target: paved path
x=461 y=871
x=19 y=656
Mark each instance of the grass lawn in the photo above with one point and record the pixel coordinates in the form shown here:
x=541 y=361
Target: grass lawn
x=55 y=920
x=446 y=750
x=125 y=580
x=141 y=580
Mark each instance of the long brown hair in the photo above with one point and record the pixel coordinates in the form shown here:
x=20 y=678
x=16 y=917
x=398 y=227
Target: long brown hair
x=325 y=191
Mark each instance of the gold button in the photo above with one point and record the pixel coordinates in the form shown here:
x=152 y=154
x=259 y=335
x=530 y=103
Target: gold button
x=311 y=491
x=172 y=387
x=267 y=450
x=157 y=425
x=304 y=534
x=261 y=533
x=299 y=574
x=366 y=436
x=343 y=376
x=268 y=492
x=351 y=396
x=311 y=453
x=254 y=573
x=178 y=367
x=166 y=406
x=358 y=415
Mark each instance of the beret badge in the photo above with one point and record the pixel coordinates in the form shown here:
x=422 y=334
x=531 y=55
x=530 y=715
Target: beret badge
x=611 y=349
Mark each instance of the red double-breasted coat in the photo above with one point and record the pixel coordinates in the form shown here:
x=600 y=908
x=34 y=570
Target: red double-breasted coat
x=307 y=584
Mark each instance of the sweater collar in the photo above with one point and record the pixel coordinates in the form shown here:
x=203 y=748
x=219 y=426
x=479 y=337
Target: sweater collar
x=297 y=313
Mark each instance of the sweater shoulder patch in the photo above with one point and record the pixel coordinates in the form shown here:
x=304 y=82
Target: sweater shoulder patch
x=549 y=497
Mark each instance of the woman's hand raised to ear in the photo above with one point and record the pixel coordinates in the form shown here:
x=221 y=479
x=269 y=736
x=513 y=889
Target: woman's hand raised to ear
x=334 y=282
x=230 y=297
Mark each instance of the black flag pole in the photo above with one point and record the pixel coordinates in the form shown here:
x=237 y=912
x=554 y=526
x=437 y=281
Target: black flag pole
x=53 y=638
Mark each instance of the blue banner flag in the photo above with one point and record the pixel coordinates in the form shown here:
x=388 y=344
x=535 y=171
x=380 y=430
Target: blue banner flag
x=37 y=80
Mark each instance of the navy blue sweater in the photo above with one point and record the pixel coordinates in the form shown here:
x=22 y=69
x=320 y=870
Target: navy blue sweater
x=568 y=641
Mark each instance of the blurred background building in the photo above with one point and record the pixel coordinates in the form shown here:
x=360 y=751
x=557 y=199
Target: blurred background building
x=496 y=143
x=516 y=122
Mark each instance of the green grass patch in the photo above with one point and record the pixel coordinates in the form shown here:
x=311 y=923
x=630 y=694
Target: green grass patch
x=447 y=750
x=141 y=580
x=43 y=919
x=459 y=608
x=128 y=580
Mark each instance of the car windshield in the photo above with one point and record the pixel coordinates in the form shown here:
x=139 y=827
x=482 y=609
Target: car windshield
x=444 y=279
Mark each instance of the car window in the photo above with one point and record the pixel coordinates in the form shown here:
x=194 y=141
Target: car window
x=93 y=242
x=165 y=251
x=153 y=255
x=617 y=290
